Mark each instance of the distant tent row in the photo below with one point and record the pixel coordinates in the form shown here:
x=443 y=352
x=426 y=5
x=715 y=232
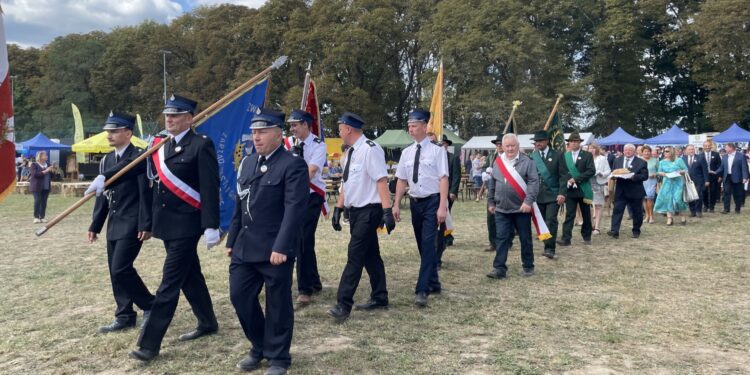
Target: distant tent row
x=674 y=136
x=96 y=144
x=399 y=139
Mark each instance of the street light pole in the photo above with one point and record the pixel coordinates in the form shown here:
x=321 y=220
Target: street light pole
x=164 y=54
x=12 y=128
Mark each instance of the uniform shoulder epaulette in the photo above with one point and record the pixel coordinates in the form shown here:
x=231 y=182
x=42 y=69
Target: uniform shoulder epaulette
x=204 y=136
x=139 y=150
x=371 y=143
x=317 y=140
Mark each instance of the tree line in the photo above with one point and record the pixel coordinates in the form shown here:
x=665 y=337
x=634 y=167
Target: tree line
x=639 y=64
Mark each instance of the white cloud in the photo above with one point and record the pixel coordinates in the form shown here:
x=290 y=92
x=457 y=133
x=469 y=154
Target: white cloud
x=247 y=3
x=37 y=22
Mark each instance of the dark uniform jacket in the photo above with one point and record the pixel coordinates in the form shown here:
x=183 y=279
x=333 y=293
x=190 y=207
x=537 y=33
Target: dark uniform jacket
x=195 y=164
x=586 y=168
x=556 y=166
x=454 y=174
x=126 y=204
x=276 y=200
x=698 y=171
x=631 y=188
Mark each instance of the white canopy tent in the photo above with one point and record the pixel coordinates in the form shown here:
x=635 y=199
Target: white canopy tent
x=484 y=142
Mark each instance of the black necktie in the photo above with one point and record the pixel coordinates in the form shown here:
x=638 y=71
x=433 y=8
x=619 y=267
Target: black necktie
x=348 y=161
x=544 y=155
x=627 y=162
x=415 y=174
x=261 y=160
x=302 y=150
x=690 y=162
x=172 y=146
x=117 y=158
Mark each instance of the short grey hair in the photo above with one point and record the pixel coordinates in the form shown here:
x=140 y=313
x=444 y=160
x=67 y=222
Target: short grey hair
x=510 y=136
x=629 y=145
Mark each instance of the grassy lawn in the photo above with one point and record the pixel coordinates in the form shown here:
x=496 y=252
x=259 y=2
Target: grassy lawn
x=675 y=301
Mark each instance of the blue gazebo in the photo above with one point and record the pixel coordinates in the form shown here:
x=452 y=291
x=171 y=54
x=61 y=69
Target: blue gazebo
x=619 y=137
x=733 y=134
x=673 y=136
x=39 y=143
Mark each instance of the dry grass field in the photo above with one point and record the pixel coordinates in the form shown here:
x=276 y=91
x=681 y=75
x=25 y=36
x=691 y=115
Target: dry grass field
x=675 y=301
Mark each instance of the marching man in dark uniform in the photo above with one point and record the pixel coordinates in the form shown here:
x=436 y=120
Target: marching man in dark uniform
x=313 y=151
x=126 y=206
x=553 y=179
x=263 y=240
x=365 y=194
x=580 y=168
x=185 y=206
x=424 y=168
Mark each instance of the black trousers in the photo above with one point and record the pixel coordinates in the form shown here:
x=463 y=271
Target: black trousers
x=570 y=216
x=424 y=222
x=733 y=190
x=127 y=286
x=182 y=271
x=269 y=333
x=696 y=206
x=549 y=212
x=308 y=279
x=363 y=251
x=507 y=226
x=40 y=203
x=635 y=206
x=711 y=194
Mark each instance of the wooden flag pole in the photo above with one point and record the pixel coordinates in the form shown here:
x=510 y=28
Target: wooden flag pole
x=554 y=110
x=199 y=117
x=88 y=196
x=516 y=103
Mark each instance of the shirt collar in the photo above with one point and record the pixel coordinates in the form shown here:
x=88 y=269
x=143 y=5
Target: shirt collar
x=178 y=137
x=120 y=151
x=424 y=142
x=272 y=152
x=310 y=138
x=359 y=141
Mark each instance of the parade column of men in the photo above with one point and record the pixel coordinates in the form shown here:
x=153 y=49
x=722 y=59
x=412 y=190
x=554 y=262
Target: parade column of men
x=126 y=206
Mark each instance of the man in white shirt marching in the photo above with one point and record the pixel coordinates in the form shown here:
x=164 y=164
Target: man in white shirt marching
x=313 y=150
x=365 y=194
x=424 y=168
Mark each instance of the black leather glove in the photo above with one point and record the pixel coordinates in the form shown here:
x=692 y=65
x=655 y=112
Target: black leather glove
x=388 y=220
x=336 y=219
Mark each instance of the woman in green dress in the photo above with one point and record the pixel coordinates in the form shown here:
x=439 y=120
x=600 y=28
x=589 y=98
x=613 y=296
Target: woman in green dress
x=669 y=200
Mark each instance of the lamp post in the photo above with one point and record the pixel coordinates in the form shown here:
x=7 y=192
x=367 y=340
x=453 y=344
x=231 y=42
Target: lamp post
x=11 y=136
x=164 y=54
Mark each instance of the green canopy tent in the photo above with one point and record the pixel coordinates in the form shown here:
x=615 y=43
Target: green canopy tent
x=400 y=139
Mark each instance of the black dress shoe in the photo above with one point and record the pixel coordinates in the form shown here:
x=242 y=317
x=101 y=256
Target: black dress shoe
x=527 y=272
x=496 y=274
x=249 y=363
x=549 y=253
x=635 y=235
x=371 y=305
x=724 y=212
x=276 y=370
x=421 y=299
x=613 y=234
x=198 y=333
x=563 y=243
x=116 y=326
x=587 y=242
x=339 y=313
x=436 y=290
x=144 y=355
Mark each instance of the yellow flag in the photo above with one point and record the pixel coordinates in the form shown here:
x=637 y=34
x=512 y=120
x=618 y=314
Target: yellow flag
x=436 y=107
x=140 y=124
x=78 y=135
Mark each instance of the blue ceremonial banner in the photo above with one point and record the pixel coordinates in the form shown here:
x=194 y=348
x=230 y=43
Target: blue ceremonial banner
x=229 y=129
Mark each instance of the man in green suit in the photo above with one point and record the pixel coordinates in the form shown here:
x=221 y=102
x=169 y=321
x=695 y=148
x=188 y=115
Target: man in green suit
x=580 y=168
x=553 y=176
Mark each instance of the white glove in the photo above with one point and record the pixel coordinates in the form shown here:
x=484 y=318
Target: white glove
x=96 y=186
x=211 y=237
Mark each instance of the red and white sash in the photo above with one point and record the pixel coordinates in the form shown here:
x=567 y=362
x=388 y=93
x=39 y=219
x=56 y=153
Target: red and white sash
x=519 y=185
x=172 y=182
x=288 y=143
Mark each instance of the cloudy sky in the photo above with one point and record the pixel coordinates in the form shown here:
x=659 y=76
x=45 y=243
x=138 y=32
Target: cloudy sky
x=37 y=22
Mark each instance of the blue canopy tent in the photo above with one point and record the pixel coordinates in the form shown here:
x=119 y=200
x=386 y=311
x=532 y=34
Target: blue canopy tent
x=619 y=137
x=39 y=143
x=673 y=136
x=733 y=134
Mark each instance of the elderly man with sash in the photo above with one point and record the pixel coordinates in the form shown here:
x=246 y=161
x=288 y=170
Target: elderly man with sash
x=552 y=188
x=580 y=166
x=511 y=197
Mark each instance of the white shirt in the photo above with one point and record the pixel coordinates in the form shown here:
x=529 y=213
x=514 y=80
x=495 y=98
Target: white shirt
x=120 y=151
x=730 y=160
x=433 y=165
x=314 y=153
x=575 y=155
x=178 y=137
x=367 y=167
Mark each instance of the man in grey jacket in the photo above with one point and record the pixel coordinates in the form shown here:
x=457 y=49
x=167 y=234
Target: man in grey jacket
x=510 y=197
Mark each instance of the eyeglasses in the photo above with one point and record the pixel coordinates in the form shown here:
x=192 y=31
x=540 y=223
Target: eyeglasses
x=666 y=151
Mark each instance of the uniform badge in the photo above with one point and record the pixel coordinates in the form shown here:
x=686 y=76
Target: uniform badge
x=550 y=159
x=178 y=149
x=263 y=168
